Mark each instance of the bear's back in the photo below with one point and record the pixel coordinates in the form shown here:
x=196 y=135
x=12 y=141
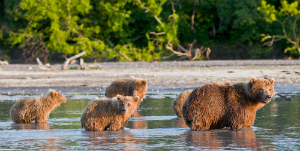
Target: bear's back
x=121 y=86
x=208 y=104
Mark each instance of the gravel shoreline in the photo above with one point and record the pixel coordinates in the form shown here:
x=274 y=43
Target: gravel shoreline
x=162 y=76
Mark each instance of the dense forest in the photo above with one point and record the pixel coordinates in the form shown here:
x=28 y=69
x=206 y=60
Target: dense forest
x=149 y=30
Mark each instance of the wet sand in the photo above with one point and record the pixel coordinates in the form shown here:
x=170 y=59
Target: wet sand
x=162 y=76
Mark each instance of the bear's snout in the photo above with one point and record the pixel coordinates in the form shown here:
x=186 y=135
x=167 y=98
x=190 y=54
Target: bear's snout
x=267 y=98
x=124 y=111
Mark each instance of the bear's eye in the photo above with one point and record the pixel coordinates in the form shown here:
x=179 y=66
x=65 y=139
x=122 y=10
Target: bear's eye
x=270 y=89
x=253 y=89
x=137 y=89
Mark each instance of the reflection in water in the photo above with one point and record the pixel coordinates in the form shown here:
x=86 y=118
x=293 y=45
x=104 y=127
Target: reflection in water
x=154 y=127
x=42 y=144
x=111 y=140
x=224 y=139
x=275 y=105
x=137 y=121
x=21 y=126
x=180 y=123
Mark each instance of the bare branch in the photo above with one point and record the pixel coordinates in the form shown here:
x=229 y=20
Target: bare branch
x=167 y=57
x=157 y=34
x=282 y=96
x=179 y=46
x=170 y=47
x=294 y=28
x=193 y=16
x=284 y=32
x=157 y=19
x=148 y=10
x=42 y=67
x=64 y=67
x=208 y=51
x=270 y=43
x=191 y=46
x=187 y=53
x=124 y=55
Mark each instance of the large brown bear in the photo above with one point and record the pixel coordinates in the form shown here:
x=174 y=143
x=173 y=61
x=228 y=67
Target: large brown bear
x=112 y=113
x=179 y=100
x=214 y=106
x=127 y=87
x=36 y=109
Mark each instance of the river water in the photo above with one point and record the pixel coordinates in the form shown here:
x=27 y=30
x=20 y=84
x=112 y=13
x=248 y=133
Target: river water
x=155 y=126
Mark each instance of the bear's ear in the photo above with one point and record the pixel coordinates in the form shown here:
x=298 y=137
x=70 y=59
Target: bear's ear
x=133 y=79
x=119 y=97
x=215 y=83
x=253 y=80
x=272 y=80
x=228 y=83
x=52 y=92
x=144 y=81
x=136 y=98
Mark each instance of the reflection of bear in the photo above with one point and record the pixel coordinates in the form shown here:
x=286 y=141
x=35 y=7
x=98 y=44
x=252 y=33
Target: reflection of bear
x=21 y=126
x=104 y=113
x=127 y=87
x=178 y=102
x=223 y=140
x=180 y=123
x=137 y=121
x=213 y=106
x=36 y=109
x=113 y=140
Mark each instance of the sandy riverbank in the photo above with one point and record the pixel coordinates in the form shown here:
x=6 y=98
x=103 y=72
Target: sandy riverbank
x=168 y=76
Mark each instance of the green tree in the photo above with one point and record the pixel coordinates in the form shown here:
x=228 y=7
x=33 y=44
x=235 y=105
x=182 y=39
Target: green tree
x=55 y=26
x=287 y=16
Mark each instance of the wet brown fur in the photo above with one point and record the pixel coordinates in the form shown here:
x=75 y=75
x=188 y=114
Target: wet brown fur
x=214 y=106
x=127 y=87
x=178 y=102
x=221 y=84
x=104 y=113
x=36 y=109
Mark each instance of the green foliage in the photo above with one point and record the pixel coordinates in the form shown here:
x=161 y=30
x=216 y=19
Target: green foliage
x=288 y=16
x=139 y=30
x=63 y=33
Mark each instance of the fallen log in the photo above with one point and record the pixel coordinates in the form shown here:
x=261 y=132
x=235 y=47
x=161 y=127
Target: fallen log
x=64 y=67
x=3 y=62
x=282 y=96
x=42 y=67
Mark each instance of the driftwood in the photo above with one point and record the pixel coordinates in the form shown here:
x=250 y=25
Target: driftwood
x=282 y=96
x=85 y=66
x=3 y=62
x=72 y=60
x=64 y=67
x=43 y=67
x=188 y=53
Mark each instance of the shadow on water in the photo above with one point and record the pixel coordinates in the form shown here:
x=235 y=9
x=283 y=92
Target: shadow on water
x=154 y=126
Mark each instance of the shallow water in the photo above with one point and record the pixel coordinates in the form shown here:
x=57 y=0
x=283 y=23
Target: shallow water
x=155 y=126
